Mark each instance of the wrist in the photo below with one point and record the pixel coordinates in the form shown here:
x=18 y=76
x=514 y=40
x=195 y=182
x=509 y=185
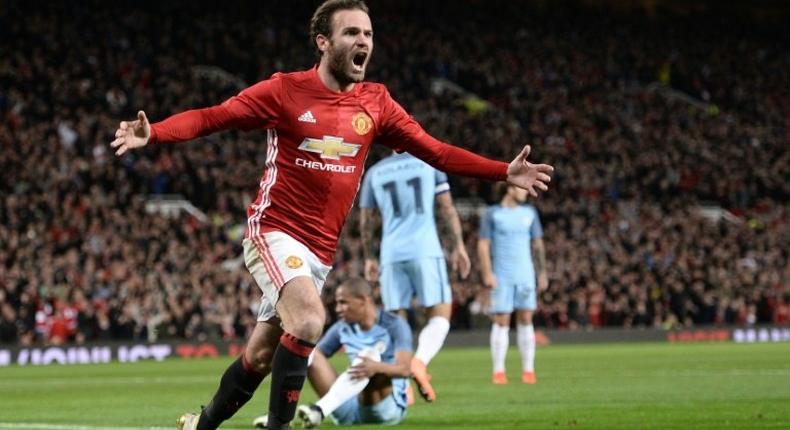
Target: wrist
x=152 y=138
x=504 y=170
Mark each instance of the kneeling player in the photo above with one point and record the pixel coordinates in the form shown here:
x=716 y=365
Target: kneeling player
x=379 y=347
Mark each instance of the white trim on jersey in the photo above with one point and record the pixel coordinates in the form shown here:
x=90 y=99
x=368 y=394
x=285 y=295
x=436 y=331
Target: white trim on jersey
x=268 y=180
x=444 y=186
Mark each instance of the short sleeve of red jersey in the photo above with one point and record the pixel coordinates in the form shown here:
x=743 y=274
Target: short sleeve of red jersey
x=255 y=107
x=401 y=132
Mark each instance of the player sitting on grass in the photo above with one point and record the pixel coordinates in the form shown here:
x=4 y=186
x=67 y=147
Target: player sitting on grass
x=379 y=347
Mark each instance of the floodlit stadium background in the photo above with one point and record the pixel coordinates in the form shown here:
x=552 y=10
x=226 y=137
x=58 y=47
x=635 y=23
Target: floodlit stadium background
x=667 y=123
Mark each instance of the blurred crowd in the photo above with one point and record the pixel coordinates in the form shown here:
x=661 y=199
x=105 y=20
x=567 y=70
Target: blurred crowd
x=645 y=118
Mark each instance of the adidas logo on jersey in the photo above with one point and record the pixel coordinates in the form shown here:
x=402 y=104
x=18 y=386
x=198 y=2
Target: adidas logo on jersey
x=307 y=117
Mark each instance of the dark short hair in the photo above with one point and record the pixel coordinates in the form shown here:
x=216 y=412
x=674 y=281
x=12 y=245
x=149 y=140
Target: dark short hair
x=357 y=287
x=321 y=22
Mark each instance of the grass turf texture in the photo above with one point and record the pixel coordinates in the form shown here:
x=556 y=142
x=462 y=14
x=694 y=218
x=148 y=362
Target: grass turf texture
x=622 y=386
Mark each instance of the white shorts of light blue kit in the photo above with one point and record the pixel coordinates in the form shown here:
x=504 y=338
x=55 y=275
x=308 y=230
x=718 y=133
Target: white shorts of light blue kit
x=509 y=295
x=386 y=411
x=425 y=278
x=275 y=258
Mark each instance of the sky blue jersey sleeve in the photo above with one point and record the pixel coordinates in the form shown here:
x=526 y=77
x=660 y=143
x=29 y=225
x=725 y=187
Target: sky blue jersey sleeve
x=442 y=186
x=486 y=224
x=366 y=197
x=330 y=342
x=536 y=229
x=401 y=335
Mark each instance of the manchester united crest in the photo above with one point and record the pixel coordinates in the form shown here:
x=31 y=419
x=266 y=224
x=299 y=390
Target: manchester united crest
x=293 y=262
x=361 y=123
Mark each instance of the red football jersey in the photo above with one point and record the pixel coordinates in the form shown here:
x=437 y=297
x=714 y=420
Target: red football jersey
x=318 y=140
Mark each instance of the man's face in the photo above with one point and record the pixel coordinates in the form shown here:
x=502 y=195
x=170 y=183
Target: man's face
x=348 y=50
x=349 y=308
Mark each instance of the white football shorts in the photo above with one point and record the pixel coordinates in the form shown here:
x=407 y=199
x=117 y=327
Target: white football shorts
x=273 y=259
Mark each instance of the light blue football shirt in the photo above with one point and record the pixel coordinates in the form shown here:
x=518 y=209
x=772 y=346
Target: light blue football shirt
x=404 y=189
x=511 y=230
x=391 y=334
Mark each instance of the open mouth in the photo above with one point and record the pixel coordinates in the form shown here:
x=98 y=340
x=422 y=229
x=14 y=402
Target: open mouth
x=359 y=59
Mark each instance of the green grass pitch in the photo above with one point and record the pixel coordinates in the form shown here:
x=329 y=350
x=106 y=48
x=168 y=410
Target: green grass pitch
x=616 y=386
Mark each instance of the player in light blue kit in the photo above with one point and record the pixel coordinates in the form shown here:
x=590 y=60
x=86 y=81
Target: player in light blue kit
x=404 y=190
x=510 y=241
x=378 y=345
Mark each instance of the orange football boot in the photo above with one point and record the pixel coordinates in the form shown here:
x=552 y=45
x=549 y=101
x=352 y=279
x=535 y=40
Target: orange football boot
x=420 y=374
x=529 y=378
x=499 y=378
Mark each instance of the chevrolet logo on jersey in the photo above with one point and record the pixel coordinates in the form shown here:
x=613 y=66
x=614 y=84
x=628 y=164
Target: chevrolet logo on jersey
x=330 y=147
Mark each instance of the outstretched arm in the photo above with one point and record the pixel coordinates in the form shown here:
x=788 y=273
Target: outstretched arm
x=177 y=128
x=452 y=159
x=402 y=133
x=256 y=106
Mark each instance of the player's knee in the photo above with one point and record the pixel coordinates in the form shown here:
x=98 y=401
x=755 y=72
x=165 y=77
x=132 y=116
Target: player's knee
x=309 y=328
x=260 y=358
x=525 y=318
x=442 y=310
